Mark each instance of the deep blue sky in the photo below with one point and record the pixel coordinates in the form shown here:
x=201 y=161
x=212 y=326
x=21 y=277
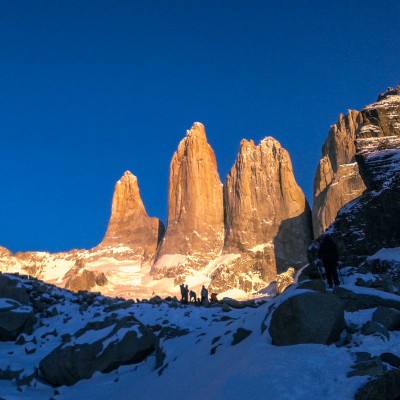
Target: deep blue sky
x=90 y=89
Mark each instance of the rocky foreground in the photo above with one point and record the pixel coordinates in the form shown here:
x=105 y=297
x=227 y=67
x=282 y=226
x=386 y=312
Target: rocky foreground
x=59 y=344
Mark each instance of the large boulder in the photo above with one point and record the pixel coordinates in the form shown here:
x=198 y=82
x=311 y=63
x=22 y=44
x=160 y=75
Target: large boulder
x=12 y=288
x=308 y=318
x=387 y=317
x=15 y=318
x=100 y=346
x=369 y=299
x=384 y=387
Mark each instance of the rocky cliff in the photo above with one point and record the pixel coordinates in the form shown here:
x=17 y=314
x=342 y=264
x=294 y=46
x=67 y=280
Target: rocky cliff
x=267 y=219
x=371 y=222
x=195 y=229
x=338 y=178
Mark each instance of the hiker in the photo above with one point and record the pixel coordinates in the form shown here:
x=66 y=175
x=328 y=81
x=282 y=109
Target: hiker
x=186 y=294
x=182 y=288
x=193 y=296
x=204 y=295
x=329 y=256
x=214 y=298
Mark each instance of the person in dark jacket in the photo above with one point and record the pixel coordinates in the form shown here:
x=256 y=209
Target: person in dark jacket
x=329 y=256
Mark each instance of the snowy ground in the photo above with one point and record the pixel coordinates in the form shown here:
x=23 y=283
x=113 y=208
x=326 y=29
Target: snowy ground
x=203 y=364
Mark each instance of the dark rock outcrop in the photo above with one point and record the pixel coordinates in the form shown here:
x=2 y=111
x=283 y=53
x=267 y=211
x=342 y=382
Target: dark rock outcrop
x=15 y=319
x=383 y=387
x=127 y=341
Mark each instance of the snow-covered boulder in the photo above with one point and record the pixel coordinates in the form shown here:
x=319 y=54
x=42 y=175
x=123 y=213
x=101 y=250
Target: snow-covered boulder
x=385 y=261
x=100 y=346
x=308 y=318
x=12 y=288
x=15 y=318
x=364 y=298
x=387 y=317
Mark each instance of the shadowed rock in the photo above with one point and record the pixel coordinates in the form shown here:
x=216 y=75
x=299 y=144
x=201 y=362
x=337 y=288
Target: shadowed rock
x=293 y=322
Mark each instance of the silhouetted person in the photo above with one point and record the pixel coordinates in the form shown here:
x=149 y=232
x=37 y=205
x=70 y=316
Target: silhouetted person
x=184 y=293
x=204 y=295
x=186 y=298
x=329 y=256
x=193 y=296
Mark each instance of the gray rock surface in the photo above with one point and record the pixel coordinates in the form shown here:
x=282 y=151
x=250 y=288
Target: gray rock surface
x=293 y=323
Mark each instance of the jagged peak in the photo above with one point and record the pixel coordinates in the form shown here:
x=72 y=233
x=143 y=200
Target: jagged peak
x=389 y=92
x=269 y=141
x=197 y=131
x=127 y=176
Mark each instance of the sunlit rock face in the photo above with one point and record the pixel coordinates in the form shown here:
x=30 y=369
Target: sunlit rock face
x=195 y=229
x=371 y=222
x=129 y=225
x=378 y=140
x=337 y=180
x=267 y=219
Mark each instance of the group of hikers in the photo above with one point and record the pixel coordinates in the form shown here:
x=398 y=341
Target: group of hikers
x=327 y=254
x=189 y=296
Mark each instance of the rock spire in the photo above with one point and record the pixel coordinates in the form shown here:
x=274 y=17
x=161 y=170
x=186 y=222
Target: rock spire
x=267 y=218
x=129 y=225
x=195 y=228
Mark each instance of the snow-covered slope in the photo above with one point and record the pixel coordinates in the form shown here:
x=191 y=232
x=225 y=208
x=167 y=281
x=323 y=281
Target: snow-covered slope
x=217 y=352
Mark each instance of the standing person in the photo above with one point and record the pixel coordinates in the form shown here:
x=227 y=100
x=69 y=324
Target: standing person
x=182 y=287
x=186 y=299
x=329 y=256
x=204 y=295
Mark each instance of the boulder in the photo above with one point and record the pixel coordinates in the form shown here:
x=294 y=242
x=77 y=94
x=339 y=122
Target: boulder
x=384 y=387
x=373 y=328
x=117 y=342
x=387 y=317
x=15 y=318
x=361 y=301
x=308 y=318
x=240 y=335
x=12 y=288
x=314 y=284
x=390 y=359
x=371 y=367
